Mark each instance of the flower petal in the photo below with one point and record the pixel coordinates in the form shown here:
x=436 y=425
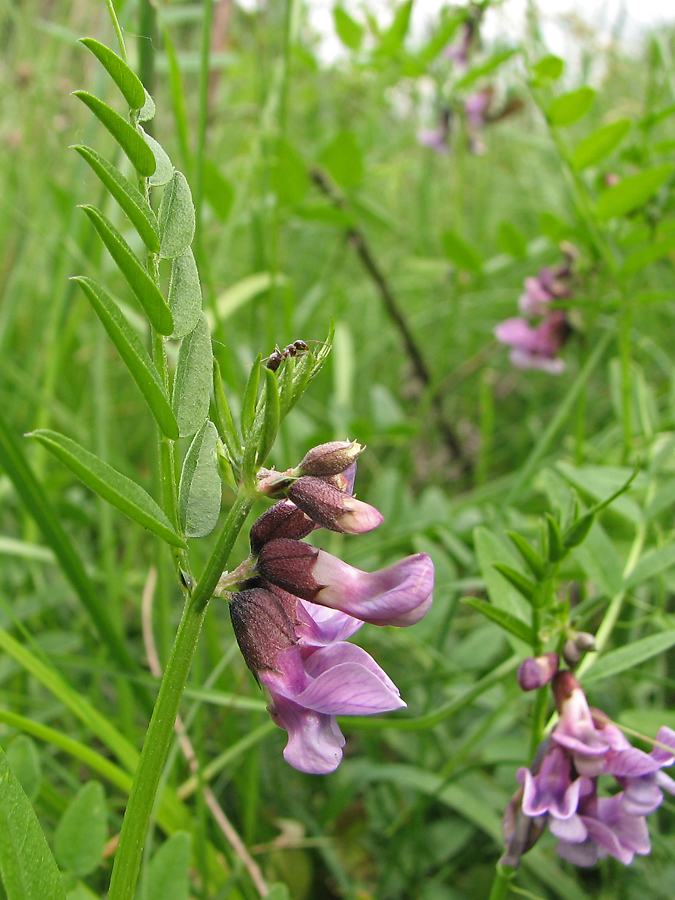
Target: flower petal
x=349 y=689
x=398 y=595
x=315 y=741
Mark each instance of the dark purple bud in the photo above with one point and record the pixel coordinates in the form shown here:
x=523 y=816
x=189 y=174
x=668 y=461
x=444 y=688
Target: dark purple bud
x=331 y=458
x=521 y=832
x=262 y=628
x=283 y=520
x=289 y=564
x=332 y=508
x=571 y=653
x=536 y=671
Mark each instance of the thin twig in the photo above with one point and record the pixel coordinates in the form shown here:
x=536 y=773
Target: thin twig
x=217 y=812
x=358 y=242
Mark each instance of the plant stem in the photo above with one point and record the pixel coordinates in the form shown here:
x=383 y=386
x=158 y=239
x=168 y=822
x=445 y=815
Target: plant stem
x=500 y=886
x=160 y=731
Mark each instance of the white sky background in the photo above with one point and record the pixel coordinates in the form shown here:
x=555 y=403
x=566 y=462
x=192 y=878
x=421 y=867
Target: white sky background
x=630 y=18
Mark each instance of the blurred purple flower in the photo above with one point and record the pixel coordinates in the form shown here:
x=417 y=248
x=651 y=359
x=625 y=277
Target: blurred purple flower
x=536 y=347
x=536 y=671
x=459 y=52
x=438 y=138
x=476 y=107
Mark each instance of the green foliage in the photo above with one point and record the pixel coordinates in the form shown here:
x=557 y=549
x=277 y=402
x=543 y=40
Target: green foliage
x=81 y=834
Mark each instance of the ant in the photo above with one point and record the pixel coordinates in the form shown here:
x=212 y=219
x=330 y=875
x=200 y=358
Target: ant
x=297 y=348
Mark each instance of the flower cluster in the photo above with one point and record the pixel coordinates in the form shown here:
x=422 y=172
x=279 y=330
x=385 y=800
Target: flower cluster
x=296 y=605
x=537 y=346
x=561 y=788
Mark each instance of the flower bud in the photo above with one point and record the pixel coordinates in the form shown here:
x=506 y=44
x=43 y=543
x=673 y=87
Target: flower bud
x=289 y=564
x=535 y=672
x=331 y=458
x=283 y=520
x=332 y=508
x=575 y=647
x=262 y=628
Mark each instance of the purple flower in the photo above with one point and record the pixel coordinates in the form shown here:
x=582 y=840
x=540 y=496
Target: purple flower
x=561 y=787
x=297 y=605
x=312 y=675
x=476 y=107
x=434 y=138
x=541 y=290
x=536 y=347
x=601 y=829
x=459 y=52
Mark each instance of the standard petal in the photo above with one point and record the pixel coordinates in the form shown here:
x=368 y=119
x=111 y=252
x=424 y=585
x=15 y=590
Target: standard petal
x=398 y=595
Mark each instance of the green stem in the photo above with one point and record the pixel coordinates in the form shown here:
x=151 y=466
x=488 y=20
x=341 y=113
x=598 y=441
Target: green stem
x=118 y=30
x=501 y=884
x=160 y=731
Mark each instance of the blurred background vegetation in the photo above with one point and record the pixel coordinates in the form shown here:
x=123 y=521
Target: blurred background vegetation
x=316 y=200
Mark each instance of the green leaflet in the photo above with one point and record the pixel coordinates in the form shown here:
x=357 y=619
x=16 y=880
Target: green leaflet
x=192 y=387
x=509 y=623
x=349 y=31
x=249 y=400
x=81 y=834
x=146 y=291
x=200 y=489
x=168 y=869
x=632 y=192
x=134 y=355
x=185 y=294
x=176 y=217
x=130 y=199
x=27 y=866
x=120 y=491
x=569 y=108
x=24 y=761
x=125 y=78
x=131 y=141
x=599 y=144
x=164 y=167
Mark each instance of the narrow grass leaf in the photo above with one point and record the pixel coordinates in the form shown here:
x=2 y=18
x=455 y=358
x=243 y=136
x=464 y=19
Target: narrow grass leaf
x=146 y=291
x=34 y=498
x=650 y=565
x=120 y=491
x=127 y=81
x=27 y=866
x=218 y=191
x=632 y=192
x=200 y=491
x=492 y=63
x=506 y=621
x=134 y=355
x=271 y=417
x=569 y=108
x=532 y=559
x=599 y=144
x=525 y=587
x=644 y=256
x=248 y=403
x=185 y=294
x=243 y=292
x=130 y=199
x=167 y=877
x=628 y=657
x=131 y=141
x=460 y=252
x=81 y=834
x=192 y=387
x=223 y=417
x=163 y=166
x=176 y=217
